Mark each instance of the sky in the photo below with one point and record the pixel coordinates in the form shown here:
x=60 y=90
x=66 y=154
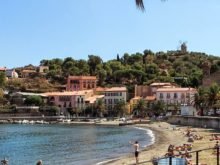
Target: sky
x=33 y=30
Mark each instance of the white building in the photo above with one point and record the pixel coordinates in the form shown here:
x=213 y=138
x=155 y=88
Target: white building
x=176 y=95
x=113 y=96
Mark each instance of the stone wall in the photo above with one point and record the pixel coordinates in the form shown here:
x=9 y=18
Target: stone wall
x=205 y=122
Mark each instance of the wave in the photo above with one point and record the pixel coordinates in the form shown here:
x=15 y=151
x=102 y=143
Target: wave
x=106 y=161
x=149 y=133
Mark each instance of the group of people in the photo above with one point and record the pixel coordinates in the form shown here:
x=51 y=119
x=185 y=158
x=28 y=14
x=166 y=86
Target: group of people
x=182 y=151
x=192 y=136
x=214 y=137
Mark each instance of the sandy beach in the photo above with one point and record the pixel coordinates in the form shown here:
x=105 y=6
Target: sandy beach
x=166 y=134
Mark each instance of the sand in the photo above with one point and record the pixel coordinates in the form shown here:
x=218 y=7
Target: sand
x=165 y=134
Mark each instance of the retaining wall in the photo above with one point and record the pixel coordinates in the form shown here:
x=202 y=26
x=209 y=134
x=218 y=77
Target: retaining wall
x=206 y=122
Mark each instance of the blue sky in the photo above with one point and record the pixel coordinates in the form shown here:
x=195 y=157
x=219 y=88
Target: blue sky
x=33 y=30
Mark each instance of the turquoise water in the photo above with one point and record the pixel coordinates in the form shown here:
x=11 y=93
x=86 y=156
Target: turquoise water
x=67 y=144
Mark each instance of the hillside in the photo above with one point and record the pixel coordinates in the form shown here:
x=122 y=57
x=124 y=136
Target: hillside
x=181 y=66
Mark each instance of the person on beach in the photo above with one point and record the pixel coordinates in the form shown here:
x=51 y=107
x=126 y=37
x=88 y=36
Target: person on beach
x=39 y=162
x=136 y=150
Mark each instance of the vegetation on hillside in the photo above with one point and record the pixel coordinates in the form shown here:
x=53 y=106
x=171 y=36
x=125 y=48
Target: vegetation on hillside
x=184 y=68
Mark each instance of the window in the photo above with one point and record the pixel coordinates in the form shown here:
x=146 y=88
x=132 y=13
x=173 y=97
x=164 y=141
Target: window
x=81 y=100
x=84 y=84
x=168 y=95
x=175 y=96
x=64 y=98
x=70 y=104
x=74 y=81
x=78 y=100
x=161 y=95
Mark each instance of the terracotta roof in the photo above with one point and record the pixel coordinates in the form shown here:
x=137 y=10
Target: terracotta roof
x=150 y=98
x=2 y=68
x=112 y=89
x=82 y=77
x=160 y=84
x=31 y=94
x=28 y=71
x=176 y=89
x=100 y=89
x=136 y=98
x=68 y=93
x=116 y=89
x=94 y=98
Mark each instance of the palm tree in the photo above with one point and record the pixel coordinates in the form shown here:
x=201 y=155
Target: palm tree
x=213 y=96
x=200 y=100
x=120 y=108
x=100 y=107
x=141 y=107
x=140 y=4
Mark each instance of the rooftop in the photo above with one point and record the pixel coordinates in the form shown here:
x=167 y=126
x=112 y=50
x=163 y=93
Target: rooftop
x=68 y=93
x=112 y=89
x=161 y=84
x=94 y=98
x=82 y=77
x=2 y=68
x=28 y=71
x=176 y=89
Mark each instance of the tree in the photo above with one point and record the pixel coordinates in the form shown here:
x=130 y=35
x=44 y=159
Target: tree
x=2 y=79
x=140 y=4
x=120 y=108
x=54 y=110
x=140 y=108
x=100 y=107
x=159 y=107
x=93 y=62
x=200 y=100
x=33 y=100
x=213 y=96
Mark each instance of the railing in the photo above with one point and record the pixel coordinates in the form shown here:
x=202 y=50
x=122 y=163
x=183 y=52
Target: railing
x=197 y=159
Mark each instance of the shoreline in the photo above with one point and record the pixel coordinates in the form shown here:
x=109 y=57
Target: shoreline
x=163 y=137
x=166 y=134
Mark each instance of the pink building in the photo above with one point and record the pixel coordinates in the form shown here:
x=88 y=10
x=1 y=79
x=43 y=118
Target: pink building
x=72 y=99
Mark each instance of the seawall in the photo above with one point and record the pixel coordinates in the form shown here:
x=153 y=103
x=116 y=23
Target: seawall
x=196 y=121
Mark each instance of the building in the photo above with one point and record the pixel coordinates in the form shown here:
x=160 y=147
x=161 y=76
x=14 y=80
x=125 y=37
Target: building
x=27 y=73
x=2 y=69
x=148 y=93
x=43 y=69
x=155 y=86
x=73 y=99
x=113 y=96
x=11 y=73
x=176 y=95
x=77 y=83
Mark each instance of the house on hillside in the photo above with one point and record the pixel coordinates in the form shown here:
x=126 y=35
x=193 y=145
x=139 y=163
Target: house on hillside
x=2 y=69
x=27 y=73
x=77 y=83
x=11 y=73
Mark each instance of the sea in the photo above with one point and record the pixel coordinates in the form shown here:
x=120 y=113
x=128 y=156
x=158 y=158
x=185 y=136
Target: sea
x=67 y=144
